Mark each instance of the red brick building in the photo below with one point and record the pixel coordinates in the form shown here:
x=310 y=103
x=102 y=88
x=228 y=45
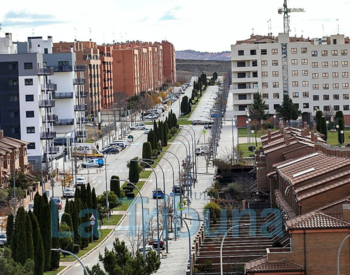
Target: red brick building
x=169 y=62
x=106 y=76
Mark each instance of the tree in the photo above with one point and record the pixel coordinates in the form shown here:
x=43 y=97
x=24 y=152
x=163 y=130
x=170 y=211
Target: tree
x=319 y=115
x=339 y=115
x=134 y=175
x=84 y=220
x=67 y=220
x=115 y=185
x=341 y=131
x=112 y=200
x=9 y=267
x=257 y=109
x=94 y=199
x=288 y=110
x=21 y=237
x=88 y=196
x=146 y=151
x=29 y=232
x=9 y=228
x=45 y=230
x=76 y=221
x=38 y=246
x=323 y=127
x=163 y=95
x=55 y=243
x=166 y=132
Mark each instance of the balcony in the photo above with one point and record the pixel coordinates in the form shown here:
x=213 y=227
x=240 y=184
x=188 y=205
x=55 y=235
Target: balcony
x=79 y=81
x=45 y=71
x=80 y=108
x=63 y=95
x=80 y=134
x=53 y=150
x=80 y=68
x=49 y=87
x=48 y=135
x=61 y=122
x=47 y=103
x=63 y=68
x=50 y=118
x=82 y=94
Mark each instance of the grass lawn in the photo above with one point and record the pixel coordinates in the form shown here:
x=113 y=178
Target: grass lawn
x=54 y=272
x=145 y=174
x=122 y=207
x=139 y=186
x=113 y=220
x=82 y=252
x=161 y=155
x=184 y=122
x=244 y=149
x=148 y=122
x=332 y=138
x=242 y=132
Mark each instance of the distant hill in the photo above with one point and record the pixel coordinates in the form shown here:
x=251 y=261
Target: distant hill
x=194 y=55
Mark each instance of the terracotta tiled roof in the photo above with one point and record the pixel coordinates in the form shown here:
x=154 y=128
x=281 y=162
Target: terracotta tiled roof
x=282 y=145
x=284 y=205
x=269 y=266
x=333 y=204
x=316 y=219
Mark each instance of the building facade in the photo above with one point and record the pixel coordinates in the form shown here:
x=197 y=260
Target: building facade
x=106 y=76
x=313 y=72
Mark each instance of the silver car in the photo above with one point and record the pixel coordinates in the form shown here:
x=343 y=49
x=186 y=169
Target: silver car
x=3 y=239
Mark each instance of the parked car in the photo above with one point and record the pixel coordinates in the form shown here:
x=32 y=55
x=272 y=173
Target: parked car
x=148 y=248
x=147 y=131
x=158 y=193
x=58 y=202
x=68 y=193
x=3 y=239
x=197 y=122
x=92 y=163
x=151 y=117
x=202 y=151
x=207 y=126
x=154 y=243
x=80 y=181
x=111 y=150
x=138 y=126
x=177 y=189
x=215 y=115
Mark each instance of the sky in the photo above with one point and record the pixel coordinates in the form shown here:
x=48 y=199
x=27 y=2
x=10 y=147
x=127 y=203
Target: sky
x=211 y=26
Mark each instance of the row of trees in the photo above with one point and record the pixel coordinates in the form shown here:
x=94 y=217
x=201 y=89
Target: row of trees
x=185 y=105
x=322 y=127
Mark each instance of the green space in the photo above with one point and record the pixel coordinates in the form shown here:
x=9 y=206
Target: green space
x=145 y=174
x=332 y=137
x=54 y=272
x=122 y=207
x=161 y=154
x=184 y=122
x=82 y=252
x=113 y=220
x=243 y=148
x=148 y=122
x=242 y=132
x=139 y=186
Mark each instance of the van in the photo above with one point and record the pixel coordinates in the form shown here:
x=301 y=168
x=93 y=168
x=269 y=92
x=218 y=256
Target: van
x=138 y=126
x=120 y=143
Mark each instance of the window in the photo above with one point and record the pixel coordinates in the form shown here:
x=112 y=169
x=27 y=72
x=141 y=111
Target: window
x=13 y=82
x=303 y=50
x=274 y=51
x=326 y=108
x=29 y=113
x=335 y=85
x=295 y=61
x=336 y=107
x=305 y=83
x=344 y=52
x=265 y=85
x=14 y=130
x=46 y=50
x=345 y=96
x=29 y=97
x=264 y=74
x=263 y=52
x=28 y=81
x=275 y=106
x=263 y=62
x=28 y=65
x=324 y=53
x=13 y=98
x=242 y=97
x=45 y=64
x=325 y=86
x=304 y=61
x=265 y=96
x=252 y=52
x=344 y=63
x=275 y=73
x=239 y=64
x=240 y=52
x=315 y=97
x=346 y=107
x=31 y=146
x=314 y=53
x=30 y=130
x=325 y=97
x=305 y=72
x=305 y=105
x=295 y=83
x=315 y=86
x=276 y=95
x=294 y=50
x=315 y=75
x=294 y=73
x=334 y=52
x=345 y=85
x=335 y=97
x=345 y=74
x=242 y=107
x=325 y=75
x=324 y=64
x=274 y=62
x=296 y=94
x=314 y=64
x=14 y=113
x=316 y=108
x=306 y=94
x=334 y=63
x=275 y=84
x=335 y=74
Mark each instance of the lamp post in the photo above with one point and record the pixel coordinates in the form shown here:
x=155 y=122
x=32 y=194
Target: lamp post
x=194 y=156
x=341 y=137
x=107 y=203
x=70 y=253
x=274 y=121
x=338 y=254
x=188 y=158
x=327 y=123
x=222 y=244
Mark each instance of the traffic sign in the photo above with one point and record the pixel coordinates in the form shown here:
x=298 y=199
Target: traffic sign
x=180 y=206
x=92 y=218
x=92 y=222
x=204 y=131
x=171 y=195
x=176 y=221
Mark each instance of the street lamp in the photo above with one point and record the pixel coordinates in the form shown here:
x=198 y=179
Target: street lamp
x=107 y=203
x=194 y=136
x=188 y=156
x=70 y=253
x=274 y=121
x=341 y=137
x=193 y=154
x=339 y=249
x=222 y=244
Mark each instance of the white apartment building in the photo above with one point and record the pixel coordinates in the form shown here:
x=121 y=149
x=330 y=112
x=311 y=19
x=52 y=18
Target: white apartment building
x=314 y=73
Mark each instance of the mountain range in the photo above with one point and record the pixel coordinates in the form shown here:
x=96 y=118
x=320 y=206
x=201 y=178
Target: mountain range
x=195 y=55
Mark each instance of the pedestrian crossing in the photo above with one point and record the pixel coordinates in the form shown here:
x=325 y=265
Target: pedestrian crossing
x=127 y=170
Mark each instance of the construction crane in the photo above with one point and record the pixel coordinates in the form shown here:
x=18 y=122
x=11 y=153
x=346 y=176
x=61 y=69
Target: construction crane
x=286 y=11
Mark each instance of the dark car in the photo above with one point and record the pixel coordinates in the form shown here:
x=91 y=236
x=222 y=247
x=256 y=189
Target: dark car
x=197 y=122
x=155 y=244
x=110 y=151
x=207 y=126
x=158 y=193
x=3 y=239
x=177 y=189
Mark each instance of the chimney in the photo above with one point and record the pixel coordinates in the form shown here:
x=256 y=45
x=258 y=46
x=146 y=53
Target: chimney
x=315 y=138
x=307 y=130
x=312 y=135
x=286 y=138
x=71 y=49
x=346 y=212
x=314 y=126
x=1 y=134
x=269 y=135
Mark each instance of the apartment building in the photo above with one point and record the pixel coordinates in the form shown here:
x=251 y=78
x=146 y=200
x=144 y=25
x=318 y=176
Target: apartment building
x=169 y=62
x=106 y=76
x=313 y=72
x=87 y=54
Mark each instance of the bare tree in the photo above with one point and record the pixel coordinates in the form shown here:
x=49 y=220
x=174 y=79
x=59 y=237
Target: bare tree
x=329 y=114
x=167 y=208
x=135 y=239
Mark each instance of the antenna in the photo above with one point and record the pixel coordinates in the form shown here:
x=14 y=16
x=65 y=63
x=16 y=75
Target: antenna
x=295 y=32
x=75 y=34
x=322 y=30
x=338 y=25
x=252 y=31
x=113 y=37
x=302 y=33
x=269 y=27
x=90 y=33
x=33 y=32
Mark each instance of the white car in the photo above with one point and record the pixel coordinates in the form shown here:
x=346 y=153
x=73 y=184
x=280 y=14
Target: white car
x=68 y=193
x=147 y=131
x=80 y=181
x=138 y=126
x=151 y=117
x=148 y=248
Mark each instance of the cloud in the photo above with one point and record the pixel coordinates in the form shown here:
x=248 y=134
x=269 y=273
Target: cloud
x=26 y=19
x=168 y=16
x=144 y=19
x=28 y=16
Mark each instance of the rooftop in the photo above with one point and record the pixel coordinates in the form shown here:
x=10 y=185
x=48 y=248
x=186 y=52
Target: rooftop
x=264 y=265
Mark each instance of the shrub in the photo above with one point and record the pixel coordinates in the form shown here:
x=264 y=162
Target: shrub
x=76 y=248
x=134 y=171
x=173 y=130
x=213 y=208
x=115 y=185
x=146 y=150
x=267 y=125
